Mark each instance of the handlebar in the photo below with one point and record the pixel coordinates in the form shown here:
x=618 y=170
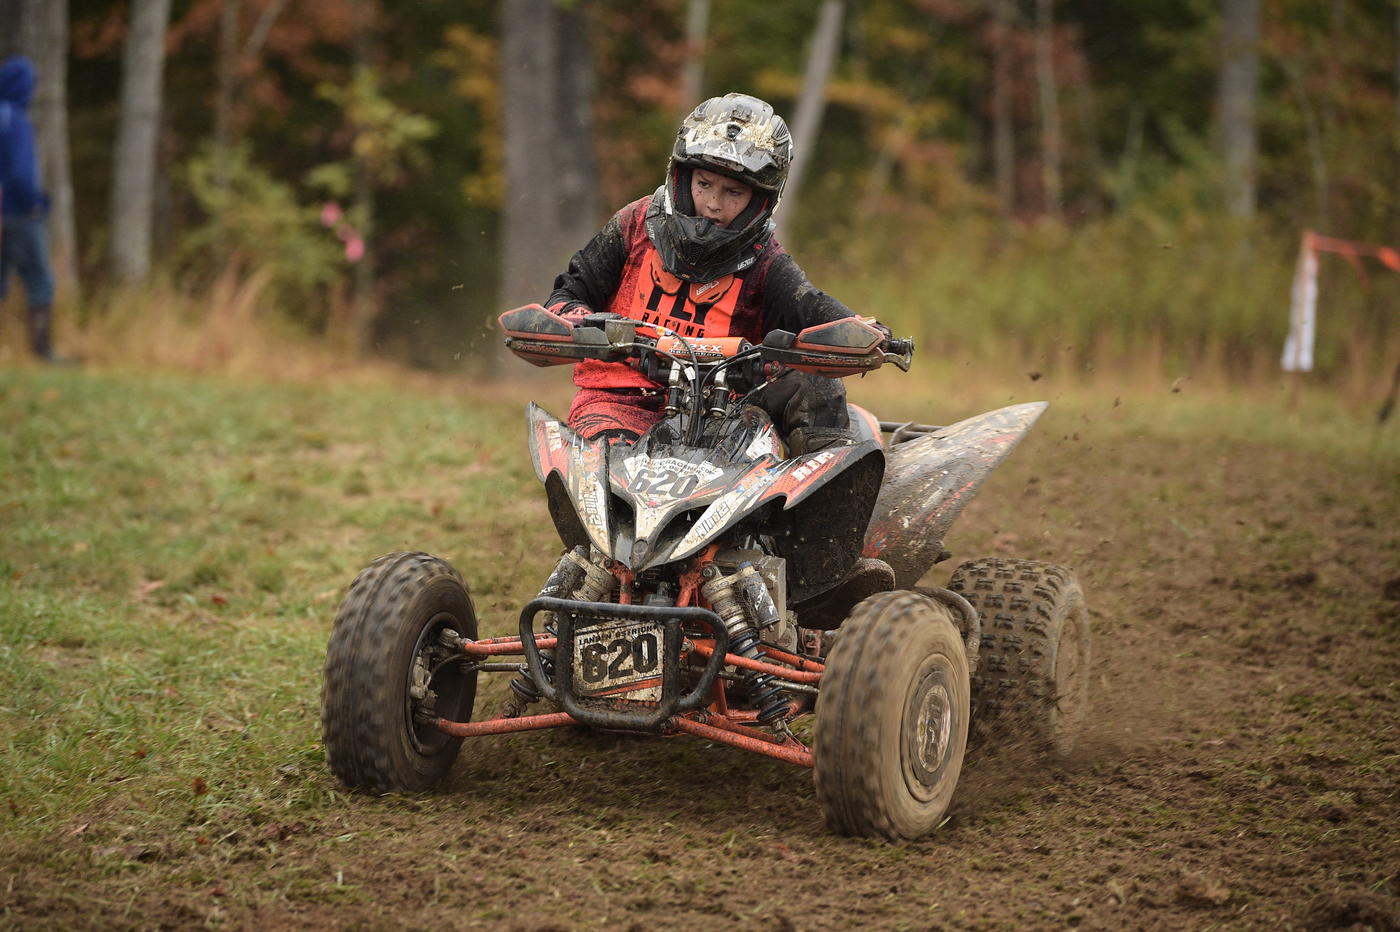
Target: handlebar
x=835 y=349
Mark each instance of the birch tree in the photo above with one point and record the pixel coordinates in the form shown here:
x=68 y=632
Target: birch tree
x=236 y=54
x=51 y=125
x=138 y=130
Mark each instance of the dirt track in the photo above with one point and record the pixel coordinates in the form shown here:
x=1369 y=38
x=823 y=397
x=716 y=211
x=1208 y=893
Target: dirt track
x=1241 y=769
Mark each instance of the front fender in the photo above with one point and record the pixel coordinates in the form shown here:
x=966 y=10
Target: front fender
x=581 y=468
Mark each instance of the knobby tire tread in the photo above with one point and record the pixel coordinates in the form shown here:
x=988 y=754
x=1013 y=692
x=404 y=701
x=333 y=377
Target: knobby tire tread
x=860 y=686
x=361 y=708
x=1022 y=605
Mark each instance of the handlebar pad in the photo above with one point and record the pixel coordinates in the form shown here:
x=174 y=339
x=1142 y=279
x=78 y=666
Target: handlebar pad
x=543 y=338
x=851 y=335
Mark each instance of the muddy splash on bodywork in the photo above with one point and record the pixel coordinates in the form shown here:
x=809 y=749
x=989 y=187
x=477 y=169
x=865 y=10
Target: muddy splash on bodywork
x=930 y=480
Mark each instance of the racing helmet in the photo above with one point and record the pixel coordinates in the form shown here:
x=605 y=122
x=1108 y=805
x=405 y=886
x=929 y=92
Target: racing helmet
x=735 y=135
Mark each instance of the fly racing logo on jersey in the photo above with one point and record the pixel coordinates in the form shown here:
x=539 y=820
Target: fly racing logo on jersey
x=691 y=309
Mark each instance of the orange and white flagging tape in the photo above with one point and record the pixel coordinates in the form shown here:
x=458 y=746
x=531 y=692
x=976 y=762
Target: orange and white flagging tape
x=1302 y=315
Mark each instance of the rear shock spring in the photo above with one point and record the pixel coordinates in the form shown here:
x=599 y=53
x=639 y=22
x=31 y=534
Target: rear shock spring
x=726 y=596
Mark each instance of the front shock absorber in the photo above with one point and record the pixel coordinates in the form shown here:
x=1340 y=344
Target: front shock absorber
x=719 y=395
x=726 y=596
x=575 y=577
x=674 y=389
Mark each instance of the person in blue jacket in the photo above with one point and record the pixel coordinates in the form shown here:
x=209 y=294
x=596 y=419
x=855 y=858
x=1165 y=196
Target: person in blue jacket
x=24 y=207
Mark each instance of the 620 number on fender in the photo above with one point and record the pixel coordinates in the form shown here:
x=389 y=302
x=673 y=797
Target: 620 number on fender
x=622 y=659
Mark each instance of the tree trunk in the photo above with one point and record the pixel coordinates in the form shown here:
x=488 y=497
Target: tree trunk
x=134 y=157
x=225 y=70
x=807 y=121
x=20 y=35
x=577 y=163
x=697 y=28
x=234 y=57
x=41 y=33
x=365 y=302
x=1051 y=144
x=551 y=206
x=529 y=62
x=1239 y=87
x=1003 y=130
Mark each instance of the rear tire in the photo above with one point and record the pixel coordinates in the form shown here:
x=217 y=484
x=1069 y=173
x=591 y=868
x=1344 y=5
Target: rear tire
x=1033 y=666
x=388 y=675
x=892 y=718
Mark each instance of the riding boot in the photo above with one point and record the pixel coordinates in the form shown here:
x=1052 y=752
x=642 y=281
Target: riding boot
x=41 y=335
x=41 y=331
x=804 y=440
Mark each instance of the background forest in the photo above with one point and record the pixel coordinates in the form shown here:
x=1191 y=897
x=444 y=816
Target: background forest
x=1056 y=185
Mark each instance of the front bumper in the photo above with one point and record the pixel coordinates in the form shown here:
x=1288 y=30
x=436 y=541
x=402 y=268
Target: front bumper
x=624 y=714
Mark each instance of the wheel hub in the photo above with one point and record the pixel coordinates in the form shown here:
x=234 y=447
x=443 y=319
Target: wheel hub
x=426 y=684
x=933 y=726
x=931 y=730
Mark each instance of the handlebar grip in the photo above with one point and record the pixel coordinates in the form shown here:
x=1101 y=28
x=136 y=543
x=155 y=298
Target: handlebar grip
x=899 y=347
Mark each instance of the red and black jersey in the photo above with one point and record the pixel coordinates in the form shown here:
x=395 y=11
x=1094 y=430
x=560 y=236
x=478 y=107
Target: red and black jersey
x=619 y=271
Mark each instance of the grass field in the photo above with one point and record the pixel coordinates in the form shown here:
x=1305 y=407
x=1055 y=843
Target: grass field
x=173 y=549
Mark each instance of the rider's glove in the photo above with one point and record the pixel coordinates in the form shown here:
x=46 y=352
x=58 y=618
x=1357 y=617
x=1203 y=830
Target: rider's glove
x=572 y=311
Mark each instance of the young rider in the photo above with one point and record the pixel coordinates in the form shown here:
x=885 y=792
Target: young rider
x=698 y=257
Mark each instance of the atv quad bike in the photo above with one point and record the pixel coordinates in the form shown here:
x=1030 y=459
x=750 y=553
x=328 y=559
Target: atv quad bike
x=716 y=583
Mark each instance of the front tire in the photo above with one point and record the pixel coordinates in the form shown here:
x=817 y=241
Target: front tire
x=892 y=718
x=388 y=675
x=1033 y=667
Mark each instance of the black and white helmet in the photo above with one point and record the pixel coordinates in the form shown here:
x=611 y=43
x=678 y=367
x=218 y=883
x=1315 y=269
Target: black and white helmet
x=735 y=135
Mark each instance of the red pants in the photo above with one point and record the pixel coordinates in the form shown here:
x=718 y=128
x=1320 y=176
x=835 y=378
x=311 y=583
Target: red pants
x=600 y=410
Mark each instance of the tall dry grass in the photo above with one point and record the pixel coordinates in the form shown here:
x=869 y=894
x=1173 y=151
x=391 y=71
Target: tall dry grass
x=1125 y=303
x=231 y=327
x=1131 y=298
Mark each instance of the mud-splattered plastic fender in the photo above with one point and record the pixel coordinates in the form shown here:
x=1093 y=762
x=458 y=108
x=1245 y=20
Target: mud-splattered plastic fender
x=553 y=445
x=930 y=480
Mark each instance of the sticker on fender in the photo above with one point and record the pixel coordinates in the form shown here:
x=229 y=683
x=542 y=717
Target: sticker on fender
x=619 y=659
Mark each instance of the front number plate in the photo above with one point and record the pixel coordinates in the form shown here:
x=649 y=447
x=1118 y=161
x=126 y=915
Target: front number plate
x=621 y=659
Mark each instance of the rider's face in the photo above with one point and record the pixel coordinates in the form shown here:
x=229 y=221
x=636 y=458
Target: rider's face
x=718 y=198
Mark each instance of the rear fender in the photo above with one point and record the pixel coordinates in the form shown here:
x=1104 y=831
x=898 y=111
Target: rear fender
x=930 y=480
